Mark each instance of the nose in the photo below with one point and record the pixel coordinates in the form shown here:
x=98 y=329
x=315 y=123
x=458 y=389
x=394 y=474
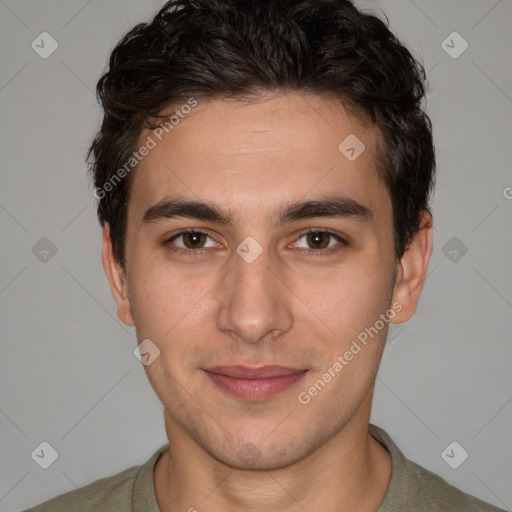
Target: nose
x=254 y=303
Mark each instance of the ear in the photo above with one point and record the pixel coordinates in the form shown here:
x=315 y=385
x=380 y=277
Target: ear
x=116 y=278
x=412 y=271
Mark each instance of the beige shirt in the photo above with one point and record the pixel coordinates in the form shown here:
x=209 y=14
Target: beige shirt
x=411 y=489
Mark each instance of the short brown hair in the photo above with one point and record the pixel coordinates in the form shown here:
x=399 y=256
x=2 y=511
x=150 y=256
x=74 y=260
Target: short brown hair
x=239 y=48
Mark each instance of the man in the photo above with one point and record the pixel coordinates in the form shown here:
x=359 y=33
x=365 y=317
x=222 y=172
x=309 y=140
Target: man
x=263 y=172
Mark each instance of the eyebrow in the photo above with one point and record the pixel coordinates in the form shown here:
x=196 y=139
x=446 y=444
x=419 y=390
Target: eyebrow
x=331 y=206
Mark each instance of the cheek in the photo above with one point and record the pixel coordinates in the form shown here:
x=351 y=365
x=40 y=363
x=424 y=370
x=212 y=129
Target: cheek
x=170 y=307
x=347 y=299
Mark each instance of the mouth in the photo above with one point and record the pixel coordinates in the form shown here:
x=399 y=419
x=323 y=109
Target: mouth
x=254 y=383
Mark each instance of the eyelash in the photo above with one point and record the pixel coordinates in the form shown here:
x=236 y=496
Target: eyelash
x=312 y=253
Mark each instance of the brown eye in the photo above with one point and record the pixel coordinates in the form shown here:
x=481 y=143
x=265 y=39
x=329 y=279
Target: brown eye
x=194 y=239
x=318 y=239
x=190 y=241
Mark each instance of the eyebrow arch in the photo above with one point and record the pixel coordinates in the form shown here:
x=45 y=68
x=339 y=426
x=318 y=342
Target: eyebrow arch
x=331 y=206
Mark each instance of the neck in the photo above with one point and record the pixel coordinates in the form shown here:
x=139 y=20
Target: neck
x=349 y=472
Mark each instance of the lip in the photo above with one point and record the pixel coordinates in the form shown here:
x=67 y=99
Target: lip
x=254 y=383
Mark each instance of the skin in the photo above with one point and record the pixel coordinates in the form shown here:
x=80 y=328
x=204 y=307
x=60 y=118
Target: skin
x=286 y=307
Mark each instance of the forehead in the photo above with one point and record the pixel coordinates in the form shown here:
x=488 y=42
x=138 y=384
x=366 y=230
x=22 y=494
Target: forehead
x=251 y=156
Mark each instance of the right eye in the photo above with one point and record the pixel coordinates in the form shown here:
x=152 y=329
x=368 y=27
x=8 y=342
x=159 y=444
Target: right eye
x=191 y=241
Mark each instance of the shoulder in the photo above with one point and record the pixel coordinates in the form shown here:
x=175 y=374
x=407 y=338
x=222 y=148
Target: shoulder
x=131 y=489
x=413 y=488
x=438 y=495
x=110 y=493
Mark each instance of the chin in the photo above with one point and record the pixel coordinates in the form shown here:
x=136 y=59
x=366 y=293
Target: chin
x=257 y=451
x=251 y=457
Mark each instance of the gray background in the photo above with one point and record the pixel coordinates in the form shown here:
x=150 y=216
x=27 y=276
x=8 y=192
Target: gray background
x=68 y=375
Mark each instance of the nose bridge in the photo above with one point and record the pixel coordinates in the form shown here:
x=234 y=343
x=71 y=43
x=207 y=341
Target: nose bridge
x=252 y=303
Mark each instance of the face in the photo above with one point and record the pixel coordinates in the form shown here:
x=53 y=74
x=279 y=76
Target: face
x=287 y=260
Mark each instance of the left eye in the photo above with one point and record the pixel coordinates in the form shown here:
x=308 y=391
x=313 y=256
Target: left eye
x=318 y=240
